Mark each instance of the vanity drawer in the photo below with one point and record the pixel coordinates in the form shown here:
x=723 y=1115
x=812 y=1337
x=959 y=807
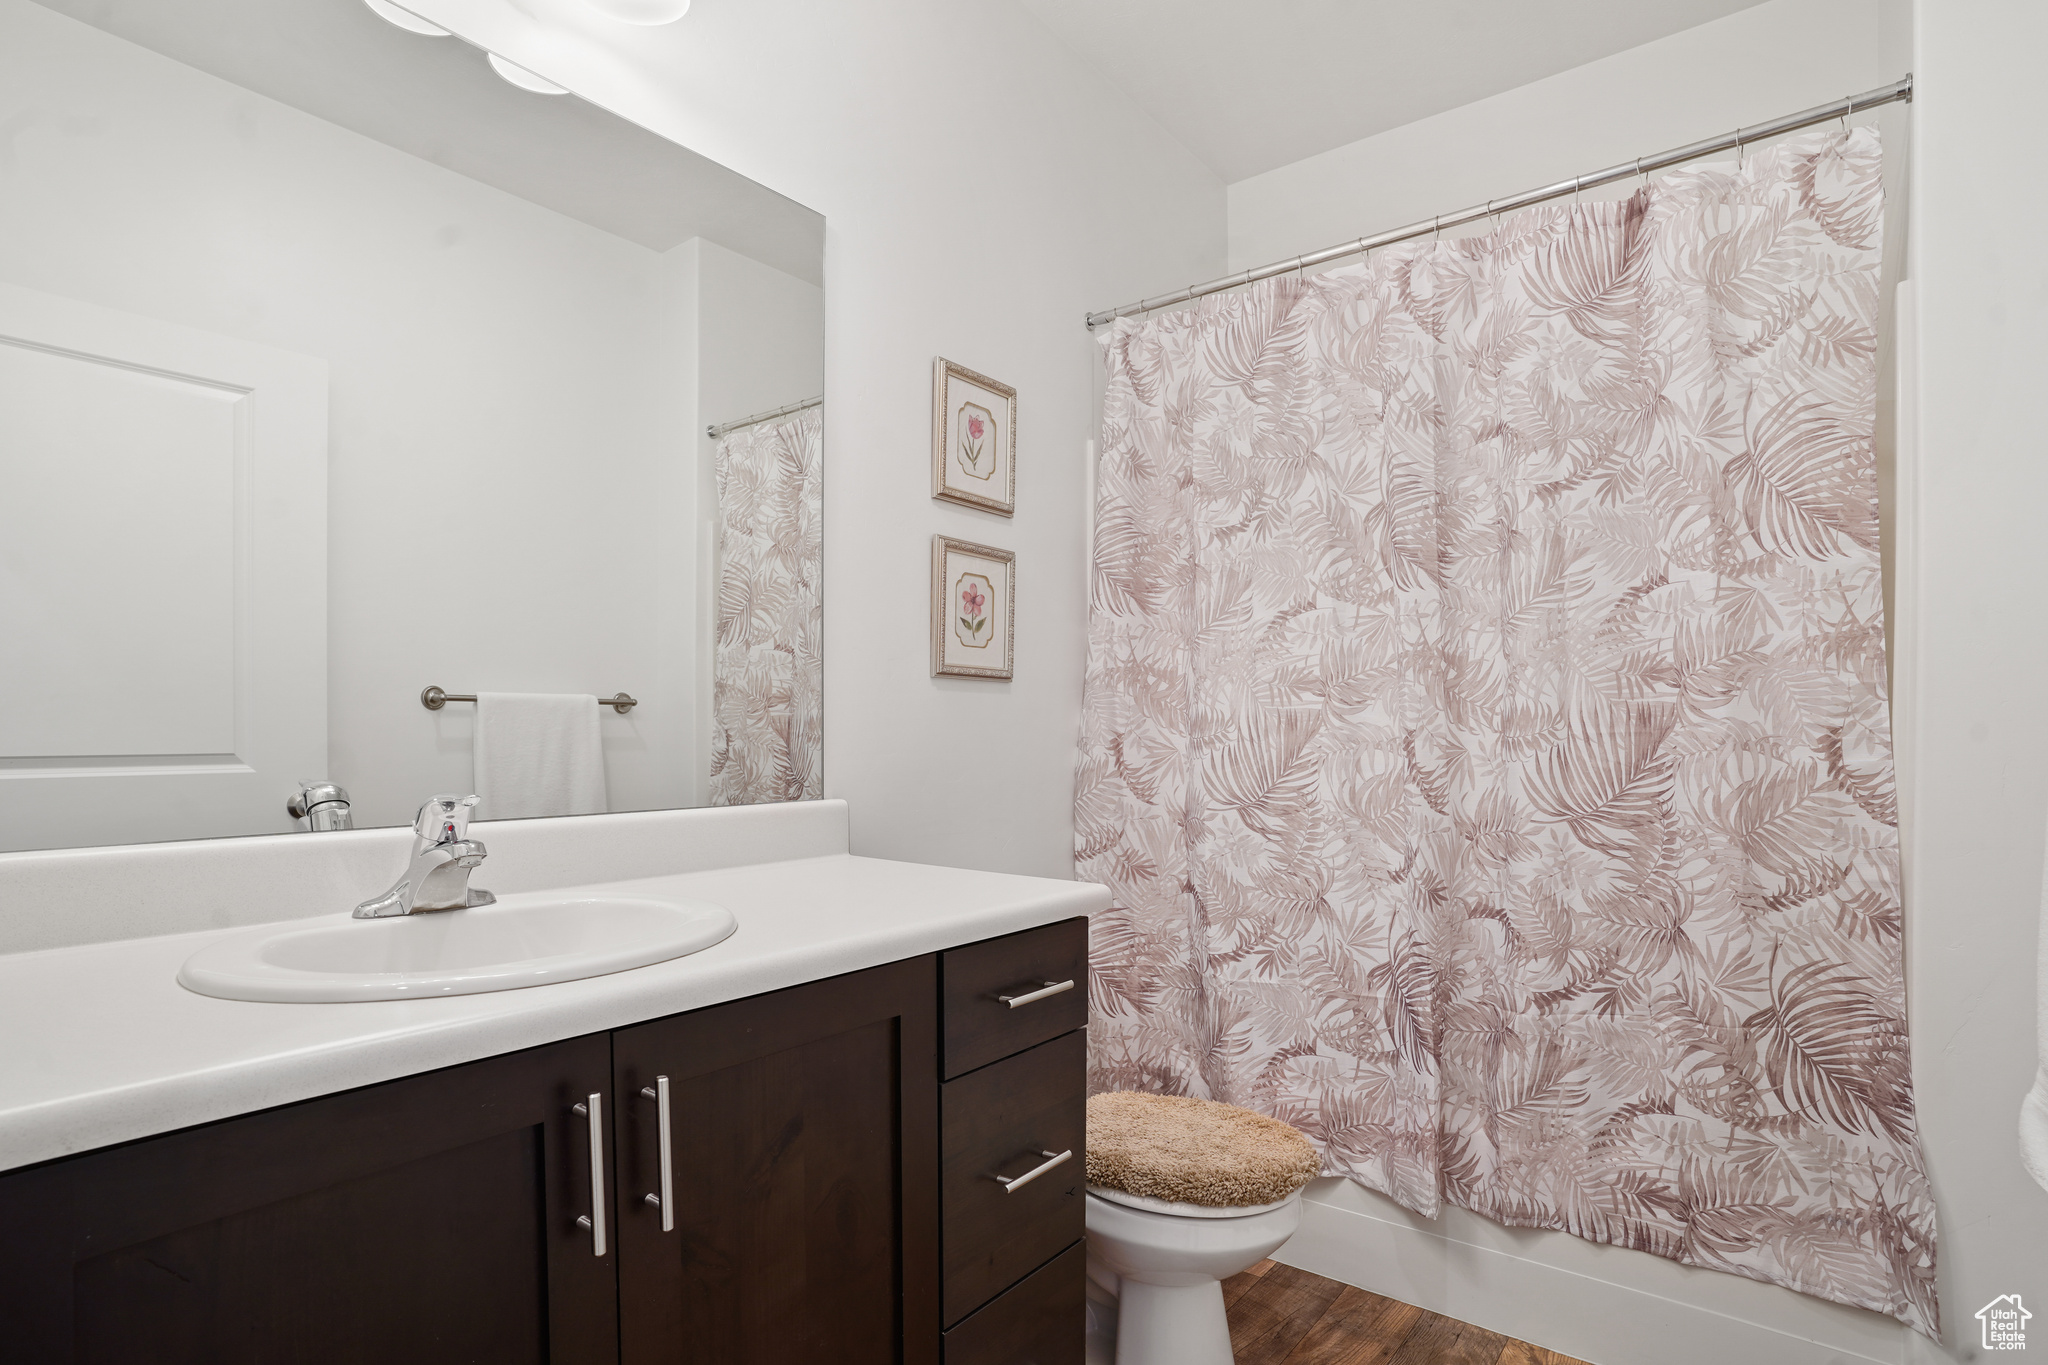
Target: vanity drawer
x=979 y=1026
x=1042 y=1321
x=1000 y=1121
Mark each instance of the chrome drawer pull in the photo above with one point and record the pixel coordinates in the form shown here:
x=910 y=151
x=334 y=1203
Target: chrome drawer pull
x=666 y=1200
x=1012 y=1186
x=595 y=1221
x=1051 y=988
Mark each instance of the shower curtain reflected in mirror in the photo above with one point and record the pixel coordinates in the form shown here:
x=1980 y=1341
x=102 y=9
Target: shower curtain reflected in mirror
x=766 y=677
x=1485 y=734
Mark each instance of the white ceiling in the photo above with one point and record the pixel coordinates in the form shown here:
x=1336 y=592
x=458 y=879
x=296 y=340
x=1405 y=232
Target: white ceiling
x=1250 y=85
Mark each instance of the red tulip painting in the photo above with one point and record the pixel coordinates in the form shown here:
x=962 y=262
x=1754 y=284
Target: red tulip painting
x=974 y=439
x=976 y=446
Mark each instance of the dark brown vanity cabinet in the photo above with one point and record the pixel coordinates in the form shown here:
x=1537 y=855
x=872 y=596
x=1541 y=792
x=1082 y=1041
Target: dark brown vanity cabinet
x=420 y=1222
x=987 y=989
x=807 y=1202
x=798 y=1177
x=1012 y=1136
x=1008 y=1120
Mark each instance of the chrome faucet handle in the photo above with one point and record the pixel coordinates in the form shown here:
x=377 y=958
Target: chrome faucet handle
x=443 y=819
x=436 y=877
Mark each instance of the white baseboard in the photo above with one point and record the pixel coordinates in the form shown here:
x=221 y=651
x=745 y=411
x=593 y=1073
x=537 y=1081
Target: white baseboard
x=1597 y=1303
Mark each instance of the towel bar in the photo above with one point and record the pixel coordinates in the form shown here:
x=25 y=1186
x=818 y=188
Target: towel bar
x=434 y=699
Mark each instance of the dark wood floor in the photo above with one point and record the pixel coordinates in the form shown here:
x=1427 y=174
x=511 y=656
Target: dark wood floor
x=1283 y=1316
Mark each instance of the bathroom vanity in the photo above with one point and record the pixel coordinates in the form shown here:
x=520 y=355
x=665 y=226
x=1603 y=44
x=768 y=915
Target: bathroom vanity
x=854 y=1134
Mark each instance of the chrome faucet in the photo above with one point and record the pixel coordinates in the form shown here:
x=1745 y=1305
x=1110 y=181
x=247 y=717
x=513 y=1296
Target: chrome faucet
x=437 y=877
x=322 y=805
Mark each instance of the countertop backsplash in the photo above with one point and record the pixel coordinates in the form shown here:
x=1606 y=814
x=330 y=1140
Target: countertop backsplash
x=61 y=898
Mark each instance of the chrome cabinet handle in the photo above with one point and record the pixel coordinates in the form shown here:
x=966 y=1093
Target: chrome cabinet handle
x=594 y=1107
x=1051 y=988
x=666 y=1200
x=1012 y=1186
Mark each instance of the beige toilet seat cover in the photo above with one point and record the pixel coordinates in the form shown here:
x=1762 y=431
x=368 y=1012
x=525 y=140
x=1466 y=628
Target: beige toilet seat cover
x=1189 y=1151
x=1180 y=1210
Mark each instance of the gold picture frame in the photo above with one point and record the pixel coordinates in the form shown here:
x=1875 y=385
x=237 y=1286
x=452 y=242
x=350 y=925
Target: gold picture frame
x=981 y=581
x=974 y=439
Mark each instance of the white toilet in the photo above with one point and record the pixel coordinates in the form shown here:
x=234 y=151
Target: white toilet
x=1164 y=1263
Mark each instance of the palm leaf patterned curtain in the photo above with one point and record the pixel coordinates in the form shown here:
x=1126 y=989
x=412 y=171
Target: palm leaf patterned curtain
x=766 y=742
x=1485 y=730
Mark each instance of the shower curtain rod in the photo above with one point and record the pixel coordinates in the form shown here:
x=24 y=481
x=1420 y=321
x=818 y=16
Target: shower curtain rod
x=1900 y=90
x=719 y=431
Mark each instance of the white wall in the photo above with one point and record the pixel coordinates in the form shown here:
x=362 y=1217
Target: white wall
x=1753 y=65
x=1967 y=665
x=983 y=190
x=1971 y=681
x=509 y=391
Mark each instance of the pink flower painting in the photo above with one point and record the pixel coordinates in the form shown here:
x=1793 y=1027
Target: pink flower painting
x=972 y=622
x=976 y=447
x=973 y=606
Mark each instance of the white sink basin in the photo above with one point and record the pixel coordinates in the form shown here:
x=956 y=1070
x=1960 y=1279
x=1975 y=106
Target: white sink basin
x=530 y=939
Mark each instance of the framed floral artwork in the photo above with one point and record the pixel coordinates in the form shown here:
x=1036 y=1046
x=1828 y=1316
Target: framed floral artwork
x=974 y=591
x=974 y=439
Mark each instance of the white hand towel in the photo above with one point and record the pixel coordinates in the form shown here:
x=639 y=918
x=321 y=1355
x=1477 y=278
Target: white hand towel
x=2034 y=1109
x=537 y=753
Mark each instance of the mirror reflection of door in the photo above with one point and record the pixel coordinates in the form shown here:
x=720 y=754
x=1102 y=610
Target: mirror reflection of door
x=163 y=601
x=245 y=239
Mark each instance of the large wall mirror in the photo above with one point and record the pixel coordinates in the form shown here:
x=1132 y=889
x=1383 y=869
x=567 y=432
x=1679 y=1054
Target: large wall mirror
x=334 y=368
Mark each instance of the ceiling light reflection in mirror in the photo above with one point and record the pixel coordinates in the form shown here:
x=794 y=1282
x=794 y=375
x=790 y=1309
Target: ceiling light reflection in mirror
x=645 y=12
x=648 y=12
x=524 y=79
x=405 y=19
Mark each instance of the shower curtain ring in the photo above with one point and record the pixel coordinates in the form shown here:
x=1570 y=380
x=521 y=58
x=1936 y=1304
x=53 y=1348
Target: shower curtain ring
x=1848 y=108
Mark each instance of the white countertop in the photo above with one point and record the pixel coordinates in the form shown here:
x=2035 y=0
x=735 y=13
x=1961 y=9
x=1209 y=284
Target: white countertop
x=99 y=1043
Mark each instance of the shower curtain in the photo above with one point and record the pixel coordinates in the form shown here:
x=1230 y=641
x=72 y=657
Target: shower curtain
x=766 y=679
x=1485 y=732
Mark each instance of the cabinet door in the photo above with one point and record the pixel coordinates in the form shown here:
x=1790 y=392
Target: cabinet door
x=803 y=1177
x=1002 y=1122
x=430 y=1220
